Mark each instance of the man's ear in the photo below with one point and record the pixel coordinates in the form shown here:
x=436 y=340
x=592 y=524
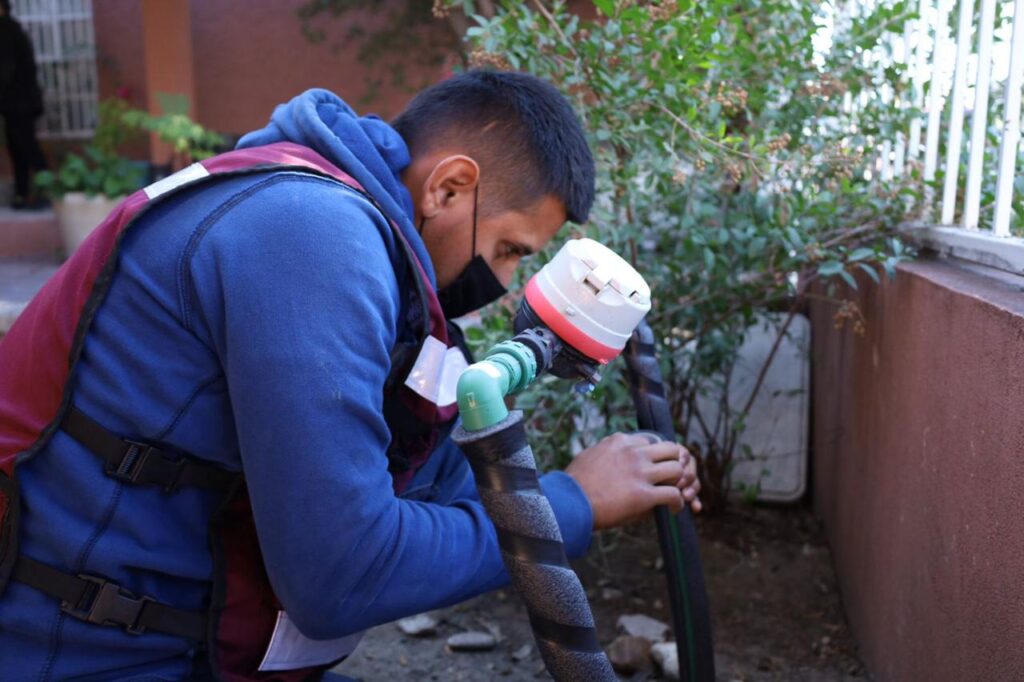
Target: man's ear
x=453 y=179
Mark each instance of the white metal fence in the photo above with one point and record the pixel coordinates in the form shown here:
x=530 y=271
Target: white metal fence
x=964 y=61
x=65 y=46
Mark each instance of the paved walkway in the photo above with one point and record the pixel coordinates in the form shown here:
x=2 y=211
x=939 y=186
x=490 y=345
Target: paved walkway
x=9 y=215
x=19 y=282
x=28 y=234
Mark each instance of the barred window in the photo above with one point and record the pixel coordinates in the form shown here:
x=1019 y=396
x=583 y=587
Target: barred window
x=65 y=47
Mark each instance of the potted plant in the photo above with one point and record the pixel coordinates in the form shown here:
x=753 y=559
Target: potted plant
x=88 y=186
x=189 y=141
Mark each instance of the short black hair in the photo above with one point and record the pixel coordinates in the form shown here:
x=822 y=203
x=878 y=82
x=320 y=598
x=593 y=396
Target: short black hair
x=518 y=127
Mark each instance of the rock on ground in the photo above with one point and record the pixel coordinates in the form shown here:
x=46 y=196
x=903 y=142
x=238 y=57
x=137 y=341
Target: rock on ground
x=630 y=654
x=472 y=641
x=773 y=596
x=666 y=656
x=640 y=625
x=420 y=625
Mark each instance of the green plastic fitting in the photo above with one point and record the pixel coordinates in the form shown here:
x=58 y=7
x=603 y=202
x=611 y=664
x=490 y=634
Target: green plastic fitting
x=507 y=368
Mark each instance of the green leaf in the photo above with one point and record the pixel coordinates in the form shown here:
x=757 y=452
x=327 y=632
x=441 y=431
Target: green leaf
x=112 y=187
x=861 y=254
x=172 y=103
x=607 y=7
x=794 y=238
x=709 y=259
x=830 y=268
x=872 y=273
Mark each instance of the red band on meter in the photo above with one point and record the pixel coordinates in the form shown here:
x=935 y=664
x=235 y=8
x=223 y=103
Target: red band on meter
x=565 y=330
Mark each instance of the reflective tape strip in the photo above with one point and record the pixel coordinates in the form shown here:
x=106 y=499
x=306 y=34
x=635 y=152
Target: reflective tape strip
x=436 y=372
x=194 y=172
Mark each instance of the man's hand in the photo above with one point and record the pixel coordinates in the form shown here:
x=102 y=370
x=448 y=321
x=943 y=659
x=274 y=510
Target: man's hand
x=625 y=476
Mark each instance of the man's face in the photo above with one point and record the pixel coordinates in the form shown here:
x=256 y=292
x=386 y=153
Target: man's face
x=502 y=239
x=443 y=194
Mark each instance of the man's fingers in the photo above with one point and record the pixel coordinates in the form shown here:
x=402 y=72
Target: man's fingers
x=628 y=439
x=670 y=472
x=674 y=498
x=663 y=451
x=689 y=480
x=667 y=495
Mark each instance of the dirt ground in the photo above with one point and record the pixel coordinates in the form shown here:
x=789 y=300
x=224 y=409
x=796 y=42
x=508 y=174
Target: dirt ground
x=775 y=608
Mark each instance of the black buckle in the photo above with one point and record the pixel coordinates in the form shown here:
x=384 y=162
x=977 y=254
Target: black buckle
x=108 y=604
x=137 y=457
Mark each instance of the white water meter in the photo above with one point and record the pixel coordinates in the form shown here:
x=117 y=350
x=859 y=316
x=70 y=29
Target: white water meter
x=590 y=297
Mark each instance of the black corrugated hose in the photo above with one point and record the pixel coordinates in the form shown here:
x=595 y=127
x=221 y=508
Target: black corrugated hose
x=532 y=548
x=677 y=535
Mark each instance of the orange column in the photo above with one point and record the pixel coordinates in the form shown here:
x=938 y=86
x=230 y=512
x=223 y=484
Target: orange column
x=167 y=41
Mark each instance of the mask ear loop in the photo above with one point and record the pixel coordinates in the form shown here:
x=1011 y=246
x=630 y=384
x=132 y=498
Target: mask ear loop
x=476 y=194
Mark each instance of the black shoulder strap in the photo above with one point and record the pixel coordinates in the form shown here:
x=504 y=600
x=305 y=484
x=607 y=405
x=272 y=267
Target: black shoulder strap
x=143 y=464
x=97 y=600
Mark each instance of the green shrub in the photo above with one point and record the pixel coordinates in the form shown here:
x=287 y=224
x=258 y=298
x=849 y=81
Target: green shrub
x=729 y=171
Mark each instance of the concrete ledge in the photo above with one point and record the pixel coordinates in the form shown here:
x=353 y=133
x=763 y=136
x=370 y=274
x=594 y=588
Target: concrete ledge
x=983 y=247
x=28 y=234
x=919 y=470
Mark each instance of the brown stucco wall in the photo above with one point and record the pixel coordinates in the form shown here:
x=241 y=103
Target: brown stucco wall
x=248 y=56
x=119 y=49
x=249 y=60
x=919 y=471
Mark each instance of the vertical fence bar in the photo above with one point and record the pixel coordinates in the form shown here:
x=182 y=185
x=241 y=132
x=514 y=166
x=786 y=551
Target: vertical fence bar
x=922 y=46
x=863 y=100
x=900 y=54
x=885 y=159
x=1011 y=125
x=899 y=158
x=979 y=117
x=887 y=101
x=956 y=118
x=935 y=92
x=875 y=59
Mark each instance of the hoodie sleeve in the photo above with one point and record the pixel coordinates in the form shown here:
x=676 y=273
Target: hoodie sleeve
x=298 y=295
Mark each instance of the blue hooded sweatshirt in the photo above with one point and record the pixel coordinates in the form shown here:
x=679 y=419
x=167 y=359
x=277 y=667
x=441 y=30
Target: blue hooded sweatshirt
x=250 y=323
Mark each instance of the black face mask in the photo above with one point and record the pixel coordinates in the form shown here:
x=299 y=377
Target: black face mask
x=476 y=285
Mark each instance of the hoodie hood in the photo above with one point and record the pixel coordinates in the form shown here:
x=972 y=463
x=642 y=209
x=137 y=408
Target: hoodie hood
x=365 y=147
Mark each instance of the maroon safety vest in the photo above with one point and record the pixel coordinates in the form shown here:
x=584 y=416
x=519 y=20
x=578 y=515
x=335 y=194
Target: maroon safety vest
x=40 y=351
